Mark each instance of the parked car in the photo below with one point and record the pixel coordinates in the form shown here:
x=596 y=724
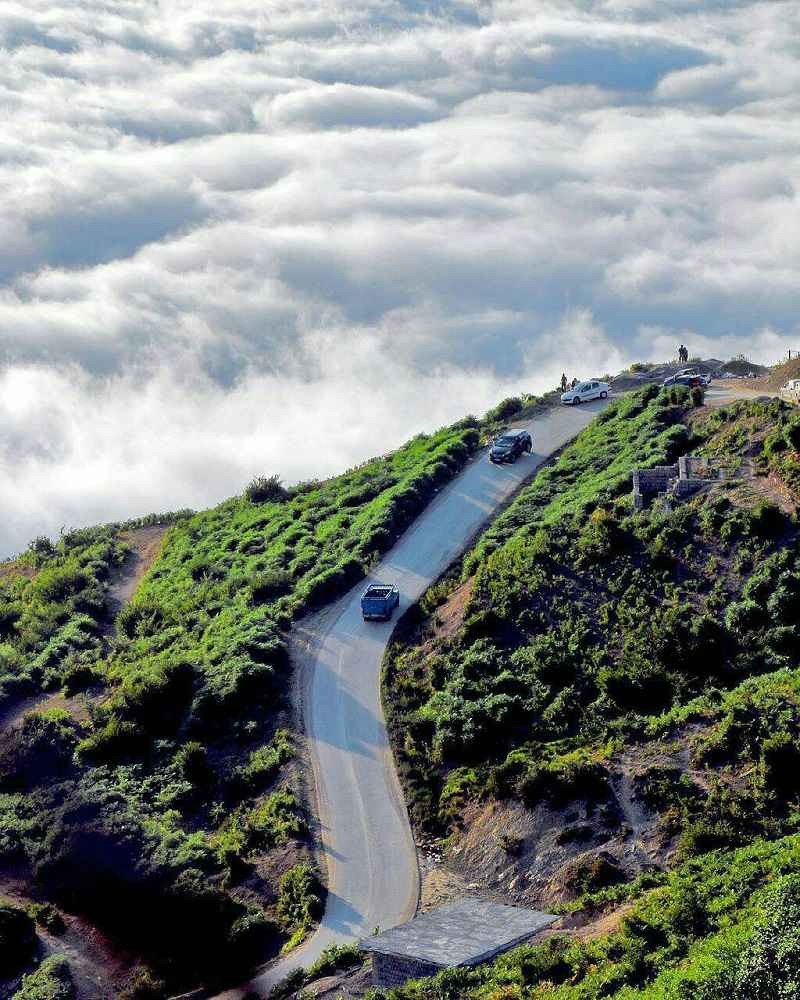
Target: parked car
x=688 y=376
x=510 y=445
x=379 y=601
x=585 y=391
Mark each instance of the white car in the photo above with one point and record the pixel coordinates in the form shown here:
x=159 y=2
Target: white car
x=585 y=391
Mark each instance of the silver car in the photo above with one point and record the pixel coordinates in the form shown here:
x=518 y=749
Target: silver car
x=584 y=391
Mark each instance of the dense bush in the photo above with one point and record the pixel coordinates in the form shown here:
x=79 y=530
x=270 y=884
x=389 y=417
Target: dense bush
x=52 y=611
x=299 y=899
x=266 y=489
x=51 y=981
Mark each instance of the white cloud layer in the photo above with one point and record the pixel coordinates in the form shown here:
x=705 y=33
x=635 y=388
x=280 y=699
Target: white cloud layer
x=227 y=227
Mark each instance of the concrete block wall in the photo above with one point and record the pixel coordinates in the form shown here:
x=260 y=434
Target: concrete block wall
x=647 y=482
x=394 y=970
x=687 y=487
x=654 y=480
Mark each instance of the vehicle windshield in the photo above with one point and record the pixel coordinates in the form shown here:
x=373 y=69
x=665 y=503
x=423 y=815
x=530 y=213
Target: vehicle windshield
x=505 y=441
x=582 y=388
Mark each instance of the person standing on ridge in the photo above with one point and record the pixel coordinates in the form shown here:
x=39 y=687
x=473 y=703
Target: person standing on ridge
x=563 y=382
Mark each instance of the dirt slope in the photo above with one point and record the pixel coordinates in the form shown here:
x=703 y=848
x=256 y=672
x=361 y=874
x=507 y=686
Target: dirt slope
x=145 y=546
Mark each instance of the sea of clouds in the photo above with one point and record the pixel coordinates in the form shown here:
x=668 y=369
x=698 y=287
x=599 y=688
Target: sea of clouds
x=283 y=236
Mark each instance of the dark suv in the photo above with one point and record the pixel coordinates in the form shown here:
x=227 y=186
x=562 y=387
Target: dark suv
x=510 y=445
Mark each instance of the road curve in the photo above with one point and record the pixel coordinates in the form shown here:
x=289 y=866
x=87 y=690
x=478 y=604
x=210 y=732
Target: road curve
x=373 y=877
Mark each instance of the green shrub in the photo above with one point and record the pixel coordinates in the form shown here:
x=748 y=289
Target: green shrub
x=47 y=916
x=269 y=585
x=275 y=820
x=597 y=873
x=504 y=410
x=141 y=617
x=266 y=489
x=264 y=763
x=51 y=981
x=144 y=985
x=299 y=898
x=564 y=778
x=769 y=965
x=792 y=434
x=229 y=843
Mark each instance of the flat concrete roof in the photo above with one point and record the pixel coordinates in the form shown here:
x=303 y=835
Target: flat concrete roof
x=463 y=933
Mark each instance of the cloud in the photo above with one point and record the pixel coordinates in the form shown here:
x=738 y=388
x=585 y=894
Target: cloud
x=78 y=450
x=342 y=105
x=231 y=220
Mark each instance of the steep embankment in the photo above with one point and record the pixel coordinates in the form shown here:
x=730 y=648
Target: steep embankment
x=602 y=713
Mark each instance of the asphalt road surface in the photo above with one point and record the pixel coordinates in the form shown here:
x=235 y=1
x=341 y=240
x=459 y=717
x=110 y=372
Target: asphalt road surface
x=373 y=877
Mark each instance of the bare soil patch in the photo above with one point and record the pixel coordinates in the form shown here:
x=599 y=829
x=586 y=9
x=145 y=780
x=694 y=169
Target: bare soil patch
x=542 y=856
x=12 y=715
x=449 y=617
x=145 y=546
x=13 y=568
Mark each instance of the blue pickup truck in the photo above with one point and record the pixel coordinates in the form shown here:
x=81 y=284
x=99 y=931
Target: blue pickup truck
x=379 y=601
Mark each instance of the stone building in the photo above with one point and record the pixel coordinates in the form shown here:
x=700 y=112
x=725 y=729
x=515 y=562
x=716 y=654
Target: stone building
x=465 y=933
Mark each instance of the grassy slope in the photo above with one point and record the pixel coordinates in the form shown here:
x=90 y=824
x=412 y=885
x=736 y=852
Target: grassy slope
x=590 y=633
x=172 y=793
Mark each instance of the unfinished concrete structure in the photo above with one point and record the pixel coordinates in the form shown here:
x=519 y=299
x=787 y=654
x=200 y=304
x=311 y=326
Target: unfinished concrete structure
x=676 y=482
x=465 y=933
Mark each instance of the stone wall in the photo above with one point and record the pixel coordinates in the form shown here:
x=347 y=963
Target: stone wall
x=689 y=476
x=649 y=482
x=394 y=970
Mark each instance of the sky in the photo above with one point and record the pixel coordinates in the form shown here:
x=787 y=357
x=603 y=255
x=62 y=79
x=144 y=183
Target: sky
x=283 y=236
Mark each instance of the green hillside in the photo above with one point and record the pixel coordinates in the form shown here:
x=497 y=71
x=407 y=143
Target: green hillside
x=613 y=696
x=154 y=752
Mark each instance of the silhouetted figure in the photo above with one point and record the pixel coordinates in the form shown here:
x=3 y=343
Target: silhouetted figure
x=563 y=382
x=683 y=354
x=573 y=383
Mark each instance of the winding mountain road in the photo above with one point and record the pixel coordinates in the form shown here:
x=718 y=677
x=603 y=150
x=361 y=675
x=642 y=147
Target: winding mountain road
x=373 y=877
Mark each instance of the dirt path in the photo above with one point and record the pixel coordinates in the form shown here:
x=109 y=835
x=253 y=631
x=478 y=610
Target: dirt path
x=635 y=817
x=145 y=546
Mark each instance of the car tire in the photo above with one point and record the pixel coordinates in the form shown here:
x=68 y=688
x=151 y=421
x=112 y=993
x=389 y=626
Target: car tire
x=576 y=401
x=603 y=395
